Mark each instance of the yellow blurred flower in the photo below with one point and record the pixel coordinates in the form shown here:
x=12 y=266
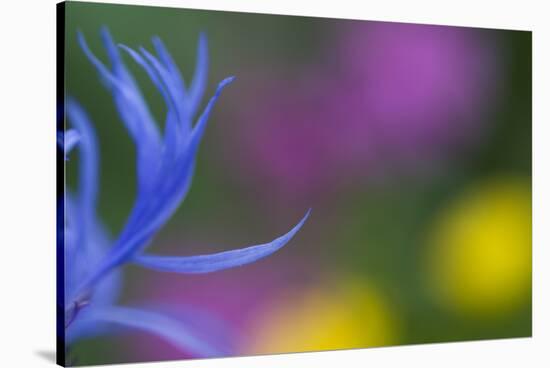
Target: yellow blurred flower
x=344 y=315
x=482 y=249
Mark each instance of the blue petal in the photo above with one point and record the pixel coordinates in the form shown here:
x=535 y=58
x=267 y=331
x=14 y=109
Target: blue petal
x=169 y=63
x=86 y=241
x=117 y=65
x=168 y=328
x=173 y=134
x=173 y=87
x=82 y=258
x=145 y=121
x=112 y=82
x=107 y=289
x=198 y=84
x=151 y=73
x=83 y=327
x=218 y=261
x=204 y=324
x=88 y=174
x=193 y=97
x=70 y=245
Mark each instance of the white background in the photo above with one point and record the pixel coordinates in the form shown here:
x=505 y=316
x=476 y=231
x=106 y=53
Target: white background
x=27 y=181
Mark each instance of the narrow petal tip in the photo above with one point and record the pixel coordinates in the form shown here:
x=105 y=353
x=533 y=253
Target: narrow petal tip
x=227 y=80
x=224 y=83
x=104 y=31
x=156 y=40
x=126 y=48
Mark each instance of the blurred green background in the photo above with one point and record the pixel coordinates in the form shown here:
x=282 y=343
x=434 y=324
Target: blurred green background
x=399 y=251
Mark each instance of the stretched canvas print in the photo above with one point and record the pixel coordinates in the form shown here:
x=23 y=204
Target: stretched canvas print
x=238 y=184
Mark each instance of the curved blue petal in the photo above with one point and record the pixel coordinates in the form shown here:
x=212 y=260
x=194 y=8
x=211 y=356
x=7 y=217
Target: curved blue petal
x=145 y=121
x=204 y=324
x=194 y=95
x=169 y=63
x=173 y=135
x=198 y=84
x=173 y=87
x=120 y=90
x=172 y=330
x=83 y=327
x=107 y=289
x=86 y=241
x=88 y=176
x=151 y=73
x=183 y=127
x=81 y=259
x=70 y=245
x=218 y=261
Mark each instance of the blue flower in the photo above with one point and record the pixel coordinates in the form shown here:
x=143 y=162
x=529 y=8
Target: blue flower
x=165 y=163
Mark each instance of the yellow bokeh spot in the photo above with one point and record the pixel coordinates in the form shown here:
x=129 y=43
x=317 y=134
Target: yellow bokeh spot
x=482 y=257
x=346 y=315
